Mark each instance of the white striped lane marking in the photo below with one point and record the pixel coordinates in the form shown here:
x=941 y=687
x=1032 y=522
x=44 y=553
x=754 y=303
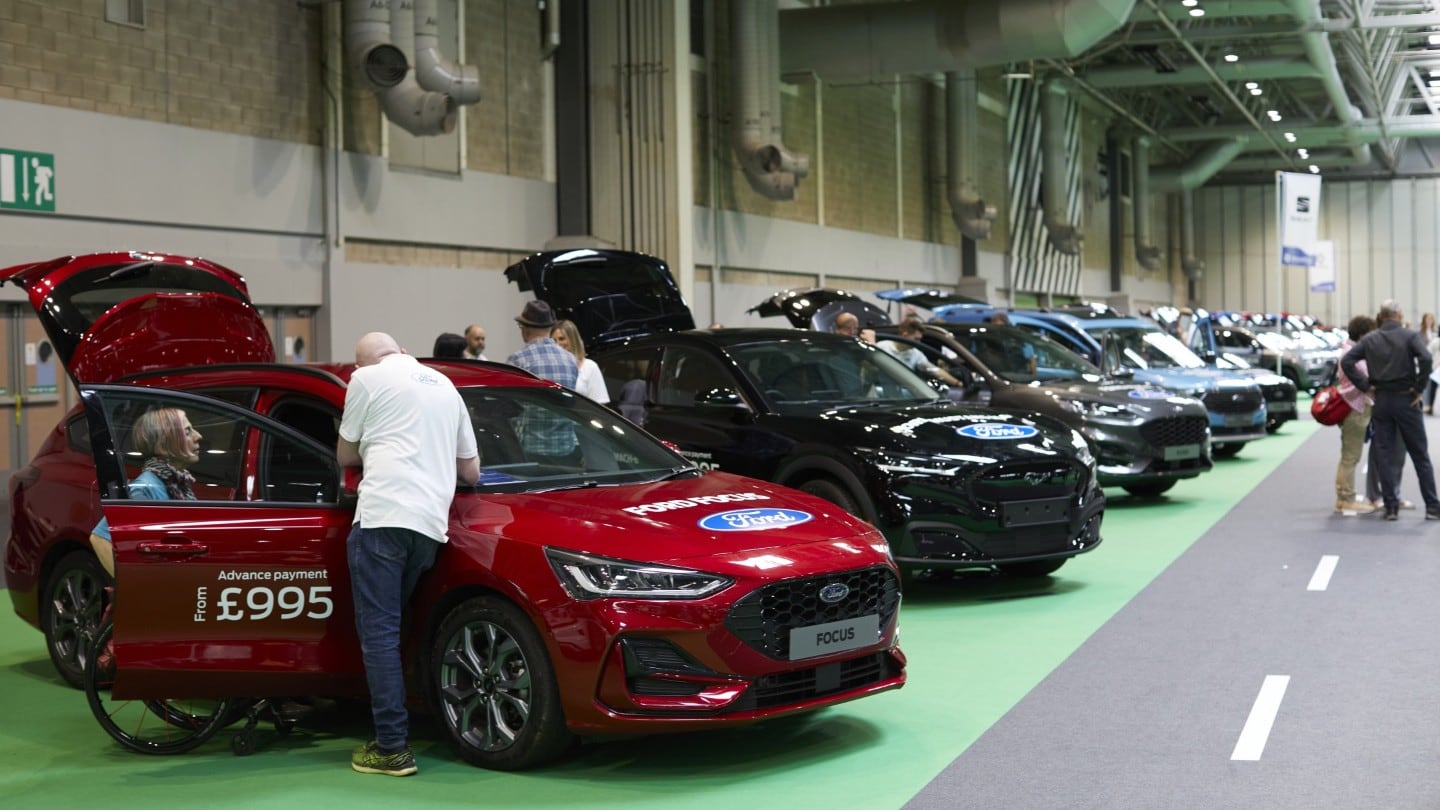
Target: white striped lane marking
x=1262 y=716
x=1320 y=580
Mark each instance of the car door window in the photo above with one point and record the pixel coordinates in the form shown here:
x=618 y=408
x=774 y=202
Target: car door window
x=289 y=467
x=685 y=373
x=627 y=377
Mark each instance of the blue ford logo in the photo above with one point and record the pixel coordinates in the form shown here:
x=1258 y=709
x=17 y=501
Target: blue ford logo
x=750 y=520
x=1148 y=393
x=834 y=592
x=995 y=430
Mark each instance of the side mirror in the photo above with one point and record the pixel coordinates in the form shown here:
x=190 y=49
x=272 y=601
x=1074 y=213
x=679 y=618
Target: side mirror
x=720 y=398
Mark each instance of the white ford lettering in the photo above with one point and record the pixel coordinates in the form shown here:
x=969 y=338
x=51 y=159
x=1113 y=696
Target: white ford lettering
x=698 y=500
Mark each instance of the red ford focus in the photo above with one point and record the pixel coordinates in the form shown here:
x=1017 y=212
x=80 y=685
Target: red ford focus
x=628 y=593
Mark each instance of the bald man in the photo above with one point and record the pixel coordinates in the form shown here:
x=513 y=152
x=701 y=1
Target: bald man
x=847 y=324
x=475 y=342
x=410 y=429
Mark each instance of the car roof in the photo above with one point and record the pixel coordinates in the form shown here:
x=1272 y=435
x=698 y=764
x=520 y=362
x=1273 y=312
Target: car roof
x=463 y=373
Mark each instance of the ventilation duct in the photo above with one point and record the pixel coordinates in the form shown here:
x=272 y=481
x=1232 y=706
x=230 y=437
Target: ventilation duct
x=972 y=216
x=432 y=69
x=772 y=170
x=377 y=34
x=1204 y=166
x=1322 y=56
x=1055 y=169
x=878 y=39
x=1146 y=253
x=1190 y=264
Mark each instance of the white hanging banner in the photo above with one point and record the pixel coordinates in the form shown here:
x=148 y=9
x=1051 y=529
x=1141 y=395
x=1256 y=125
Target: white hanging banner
x=1322 y=272
x=1299 y=196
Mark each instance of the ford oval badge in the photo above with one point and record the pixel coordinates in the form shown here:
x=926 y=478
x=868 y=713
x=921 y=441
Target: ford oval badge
x=996 y=430
x=834 y=592
x=751 y=520
x=1149 y=393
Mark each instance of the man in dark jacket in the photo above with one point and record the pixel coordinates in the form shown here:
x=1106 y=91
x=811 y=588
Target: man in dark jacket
x=1399 y=364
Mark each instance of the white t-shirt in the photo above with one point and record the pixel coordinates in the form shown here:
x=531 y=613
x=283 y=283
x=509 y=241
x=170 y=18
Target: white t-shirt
x=411 y=425
x=591 y=383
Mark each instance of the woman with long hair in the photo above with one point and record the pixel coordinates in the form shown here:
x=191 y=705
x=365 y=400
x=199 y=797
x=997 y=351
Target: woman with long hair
x=590 y=382
x=1432 y=342
x=169 y=444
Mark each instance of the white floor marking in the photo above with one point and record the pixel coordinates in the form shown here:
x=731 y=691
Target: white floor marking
x=1262 y=715
x=1320 y=580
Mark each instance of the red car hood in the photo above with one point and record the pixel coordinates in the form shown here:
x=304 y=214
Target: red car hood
x=715 y=515
x=109 y=315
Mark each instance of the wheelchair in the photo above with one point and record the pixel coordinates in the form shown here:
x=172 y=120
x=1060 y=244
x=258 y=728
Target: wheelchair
x=168 y=725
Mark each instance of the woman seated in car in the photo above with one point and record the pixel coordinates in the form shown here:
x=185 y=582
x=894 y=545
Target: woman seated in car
x=165 y=437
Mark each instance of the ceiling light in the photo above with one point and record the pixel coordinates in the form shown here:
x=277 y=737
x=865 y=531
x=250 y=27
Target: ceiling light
x=1197 y=12
x=1232 y=57
x=1434 y=82
x=1251 y=85
x=1255 y=91
x=1314 y=169
x=1303 y=153
x=1433 y=39
x=1290 y=136
x=1435 y=73
x=1189 y=3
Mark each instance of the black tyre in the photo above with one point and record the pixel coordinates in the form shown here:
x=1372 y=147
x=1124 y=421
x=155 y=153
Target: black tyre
x=73 y=601
x=242 y=743
x=1228 y=450
x=494 y=689
x=1272 y=425
x=1149 y=489
x=1033 y=569
x=153 y=726
x=834 y=492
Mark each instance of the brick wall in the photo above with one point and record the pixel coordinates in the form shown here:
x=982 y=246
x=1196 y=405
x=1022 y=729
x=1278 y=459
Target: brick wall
x=244 y=68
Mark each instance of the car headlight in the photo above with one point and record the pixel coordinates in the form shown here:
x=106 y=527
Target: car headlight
x=586 y=576
x=1091 y=407
x=1082 y=449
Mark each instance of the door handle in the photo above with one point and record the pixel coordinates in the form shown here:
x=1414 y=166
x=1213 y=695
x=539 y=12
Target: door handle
x=175 y=549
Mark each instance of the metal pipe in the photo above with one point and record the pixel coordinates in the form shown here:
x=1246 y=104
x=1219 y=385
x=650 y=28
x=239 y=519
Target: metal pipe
x=1055 y=161
x=434 y=72
x=971 y=214
x=1146 y=253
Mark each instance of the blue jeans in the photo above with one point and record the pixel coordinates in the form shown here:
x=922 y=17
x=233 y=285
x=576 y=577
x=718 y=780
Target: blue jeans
x=385 y=564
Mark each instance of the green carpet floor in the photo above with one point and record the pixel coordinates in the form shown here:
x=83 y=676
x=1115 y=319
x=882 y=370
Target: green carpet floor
x=976 y=646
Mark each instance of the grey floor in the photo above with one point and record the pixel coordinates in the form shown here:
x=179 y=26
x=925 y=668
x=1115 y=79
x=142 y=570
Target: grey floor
x=1149 y=711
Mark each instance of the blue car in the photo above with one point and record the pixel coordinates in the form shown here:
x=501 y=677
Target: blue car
x=1237 y=402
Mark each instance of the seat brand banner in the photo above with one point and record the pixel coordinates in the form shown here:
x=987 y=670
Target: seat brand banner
x=1299 y=198
x=1322 y=272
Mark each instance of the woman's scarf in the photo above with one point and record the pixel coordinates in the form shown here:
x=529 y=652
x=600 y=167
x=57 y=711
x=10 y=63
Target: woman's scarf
x=179 y=484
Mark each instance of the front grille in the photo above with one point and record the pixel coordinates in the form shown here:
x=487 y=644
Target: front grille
x=763 y=619
x=807 y=684
x=1013 y=481
x=1280 y=393
x=1175 y=430
x=1233 y=401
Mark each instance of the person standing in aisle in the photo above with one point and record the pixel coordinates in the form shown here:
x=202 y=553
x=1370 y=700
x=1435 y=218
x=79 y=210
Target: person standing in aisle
x=1397 y=365
x=1431 y=337
x=409 y=428
x=1352 y=430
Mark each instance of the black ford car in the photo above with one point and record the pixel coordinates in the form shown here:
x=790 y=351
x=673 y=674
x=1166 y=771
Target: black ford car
x=1145 y=438
x=949 y=485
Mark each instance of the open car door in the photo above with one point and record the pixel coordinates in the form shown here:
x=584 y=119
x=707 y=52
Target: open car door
x=244 y=591
x=110 y=315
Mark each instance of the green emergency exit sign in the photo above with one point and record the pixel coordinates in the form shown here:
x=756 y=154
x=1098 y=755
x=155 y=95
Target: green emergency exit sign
x=27 y=180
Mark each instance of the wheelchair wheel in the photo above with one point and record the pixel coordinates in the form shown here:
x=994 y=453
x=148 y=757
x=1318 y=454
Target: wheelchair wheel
x=152 y=726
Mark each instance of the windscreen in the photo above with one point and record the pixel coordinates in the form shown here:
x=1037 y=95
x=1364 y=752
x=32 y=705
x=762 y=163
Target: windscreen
x=1020 y=357
x=798 y=373
x=537 y=439
x=1139 y=348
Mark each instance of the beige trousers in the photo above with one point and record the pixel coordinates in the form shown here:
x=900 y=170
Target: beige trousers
x=1352 y=446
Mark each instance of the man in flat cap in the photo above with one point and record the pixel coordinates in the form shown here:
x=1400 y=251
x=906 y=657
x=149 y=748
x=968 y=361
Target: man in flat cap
x=545 y=437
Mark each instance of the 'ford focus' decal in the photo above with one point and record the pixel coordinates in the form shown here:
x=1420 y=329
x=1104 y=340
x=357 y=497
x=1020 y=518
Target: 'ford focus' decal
x=749 y=520
x=1148 y=393
x=996 y=430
